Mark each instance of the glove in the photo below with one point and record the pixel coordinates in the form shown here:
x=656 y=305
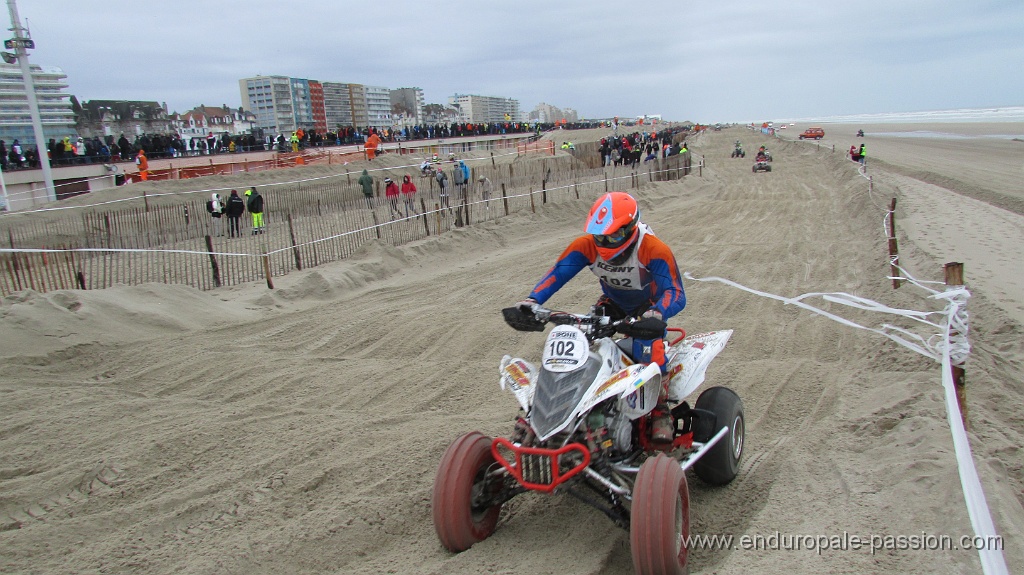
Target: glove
x=528 y=305
x=653 y=313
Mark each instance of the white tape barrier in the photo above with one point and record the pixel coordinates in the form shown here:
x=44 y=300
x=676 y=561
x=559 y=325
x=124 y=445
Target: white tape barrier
x=992 y=560
x=950 y=346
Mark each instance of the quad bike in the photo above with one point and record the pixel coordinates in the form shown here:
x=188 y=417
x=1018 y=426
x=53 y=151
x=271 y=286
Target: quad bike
x=761 y=164
x=738 y=153
x=766 y=153
x=428 y=170
x=585 y=429
x=860 y=133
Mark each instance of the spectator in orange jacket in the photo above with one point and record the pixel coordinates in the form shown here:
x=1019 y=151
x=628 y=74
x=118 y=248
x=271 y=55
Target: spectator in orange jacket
x=371 y=145
x=143 y=164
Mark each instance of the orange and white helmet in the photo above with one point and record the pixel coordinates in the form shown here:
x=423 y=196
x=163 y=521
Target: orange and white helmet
x=613 y=222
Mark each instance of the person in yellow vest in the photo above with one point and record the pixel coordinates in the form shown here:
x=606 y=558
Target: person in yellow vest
x=295 y=142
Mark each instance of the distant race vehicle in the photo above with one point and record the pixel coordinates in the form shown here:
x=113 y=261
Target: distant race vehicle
x=813 y=133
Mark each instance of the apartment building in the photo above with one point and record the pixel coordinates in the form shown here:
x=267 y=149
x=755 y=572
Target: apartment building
x=55 y=112
x=270 y=99
x=410 y=103
x=474 y=109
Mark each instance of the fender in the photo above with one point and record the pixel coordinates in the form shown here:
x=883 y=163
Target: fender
x=521 y=377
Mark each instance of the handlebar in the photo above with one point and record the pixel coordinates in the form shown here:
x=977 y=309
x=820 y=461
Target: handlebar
x=593 y=326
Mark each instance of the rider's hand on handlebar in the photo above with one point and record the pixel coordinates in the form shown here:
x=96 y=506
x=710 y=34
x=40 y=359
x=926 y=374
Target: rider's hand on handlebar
x=528 y=305
x=653 y=313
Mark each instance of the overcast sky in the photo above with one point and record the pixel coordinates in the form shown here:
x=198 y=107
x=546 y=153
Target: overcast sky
x=698 y=60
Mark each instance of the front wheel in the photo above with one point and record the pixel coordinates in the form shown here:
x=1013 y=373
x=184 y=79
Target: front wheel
x=659 y=525
x=721 y=463
x=462 y=492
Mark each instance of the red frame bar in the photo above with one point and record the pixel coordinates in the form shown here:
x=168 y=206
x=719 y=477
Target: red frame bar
x=557 y=478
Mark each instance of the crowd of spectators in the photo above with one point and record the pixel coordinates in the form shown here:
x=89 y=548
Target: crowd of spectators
x=631 y=149
x=77 y=150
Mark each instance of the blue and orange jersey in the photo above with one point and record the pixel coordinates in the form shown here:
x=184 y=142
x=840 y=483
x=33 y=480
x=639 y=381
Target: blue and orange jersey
x=649 y=278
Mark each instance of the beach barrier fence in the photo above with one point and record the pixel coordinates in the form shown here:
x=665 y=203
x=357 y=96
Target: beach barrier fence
x=307 y=223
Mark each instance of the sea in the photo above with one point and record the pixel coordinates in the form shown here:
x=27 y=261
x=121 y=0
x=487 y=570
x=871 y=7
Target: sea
x=1001 y=114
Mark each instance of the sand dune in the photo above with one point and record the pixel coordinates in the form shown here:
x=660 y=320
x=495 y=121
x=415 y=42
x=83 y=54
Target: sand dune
x=159 y=429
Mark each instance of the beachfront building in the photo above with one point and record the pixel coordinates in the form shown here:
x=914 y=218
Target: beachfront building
x=282 y=104
x=55 y=111
x=202 y=121
x=473 y=109
x=115 y=117
x=337 y=104
x=270 y=99
x=378 y=106
x=407 y=105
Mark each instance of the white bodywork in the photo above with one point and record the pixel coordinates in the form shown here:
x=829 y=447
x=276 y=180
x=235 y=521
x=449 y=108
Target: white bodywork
x=636 y=386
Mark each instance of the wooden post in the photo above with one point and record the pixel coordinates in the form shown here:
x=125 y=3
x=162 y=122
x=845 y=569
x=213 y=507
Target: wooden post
x=493 y=165
x=894 y=253
x=376 y=224
x=533 y=206
x=266 y=271
x=504 y=198
x=349 y=176
x=954 y=272
x=295 y=248
x=423 y=211
x=213 y=262
x=145 y=200
x=700 y=167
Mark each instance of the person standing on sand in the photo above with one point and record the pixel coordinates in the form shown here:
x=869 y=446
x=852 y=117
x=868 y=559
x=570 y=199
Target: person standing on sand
x=216 y=209
x=235 y=209
x=442 y=183
x=366 y=181
x=371 y=145
x=409 y=195
x=485 y=189
x=255 y=205
x=863 y=156
x=143 y=164
x=391 y=193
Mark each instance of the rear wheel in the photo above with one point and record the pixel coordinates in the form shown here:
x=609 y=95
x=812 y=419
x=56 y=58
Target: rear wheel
x=462 y=491
x=660 y=520
x=721 y=463
x=768 y=168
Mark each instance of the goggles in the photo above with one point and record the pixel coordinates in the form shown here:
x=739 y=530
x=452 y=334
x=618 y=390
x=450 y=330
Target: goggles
x=614 y=239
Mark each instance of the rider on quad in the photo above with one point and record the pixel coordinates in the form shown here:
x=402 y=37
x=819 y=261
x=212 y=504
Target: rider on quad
x=762 y=155
x=638 y=276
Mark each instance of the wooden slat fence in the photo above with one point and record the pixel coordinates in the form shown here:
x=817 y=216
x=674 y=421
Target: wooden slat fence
x=307 y=225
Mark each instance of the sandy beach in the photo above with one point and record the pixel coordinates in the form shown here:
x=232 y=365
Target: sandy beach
x=161 y=429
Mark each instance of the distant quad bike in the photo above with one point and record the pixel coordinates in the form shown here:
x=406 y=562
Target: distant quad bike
x=761 y=164
x=585 y=429
x=738 y=152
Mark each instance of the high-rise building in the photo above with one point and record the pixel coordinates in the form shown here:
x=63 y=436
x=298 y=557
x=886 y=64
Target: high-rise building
x=55 y=111
x=475 y=109
x=410 y=103
x=270 y=98
x=337 y=105
x=378 y=106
